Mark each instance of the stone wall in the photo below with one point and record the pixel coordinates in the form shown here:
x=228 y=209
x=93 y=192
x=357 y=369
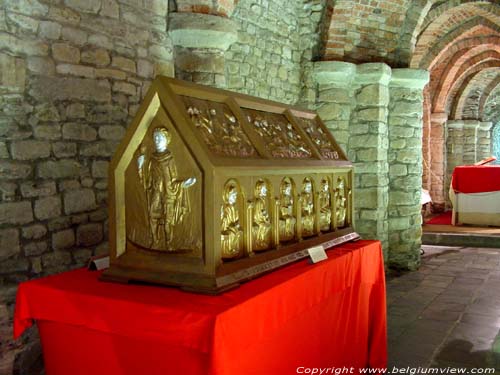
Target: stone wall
x=72 y=74
x=375 y=113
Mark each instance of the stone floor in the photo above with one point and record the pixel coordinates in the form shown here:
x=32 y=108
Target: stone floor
x=446 y=314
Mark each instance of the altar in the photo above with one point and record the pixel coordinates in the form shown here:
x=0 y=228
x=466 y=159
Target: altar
x=475 y=195
x=329 y=314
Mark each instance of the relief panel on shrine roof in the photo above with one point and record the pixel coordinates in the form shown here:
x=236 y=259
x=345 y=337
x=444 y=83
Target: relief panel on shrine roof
x=219 y=128
x=279 y=136
x=319 y=137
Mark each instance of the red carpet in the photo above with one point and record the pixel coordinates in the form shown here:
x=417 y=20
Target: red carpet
x=443 y=219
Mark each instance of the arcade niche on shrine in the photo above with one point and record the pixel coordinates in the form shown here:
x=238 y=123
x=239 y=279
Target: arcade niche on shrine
x=210 y=188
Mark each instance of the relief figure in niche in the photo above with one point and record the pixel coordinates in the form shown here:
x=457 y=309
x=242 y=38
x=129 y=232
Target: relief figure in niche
x=325 y=209
x=307 y=208
x=287 y=221
x=341 y=203
x=261 y=221
x=231 y=233
x=166 y=195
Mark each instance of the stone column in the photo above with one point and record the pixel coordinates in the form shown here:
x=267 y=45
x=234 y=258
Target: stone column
x=200 y=41
x=333 y=80
x=367 y=149
x=405 y=173
x=437 y=162
x=484 y=140
x=470 y=141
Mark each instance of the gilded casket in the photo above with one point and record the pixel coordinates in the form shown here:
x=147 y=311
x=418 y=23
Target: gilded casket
x=210 y=188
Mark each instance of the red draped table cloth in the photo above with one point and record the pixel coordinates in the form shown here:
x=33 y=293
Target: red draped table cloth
x=330 y=314
x=475 y=195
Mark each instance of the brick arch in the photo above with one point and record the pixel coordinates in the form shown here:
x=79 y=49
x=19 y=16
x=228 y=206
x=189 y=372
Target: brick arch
x=445 y=7
x=464 y=36
x=414 y=18
x=454 y=68
x=486 y=95
x=467 y=85
x=361 y=32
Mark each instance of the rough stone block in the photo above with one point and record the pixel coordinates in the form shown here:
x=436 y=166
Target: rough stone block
x=58 y=169
x=48 y=132
x=49 y=30
x=82 y=256
x=24 y=46
x=334 y=111
x=12 y=74
x=373 y=95
x=35 y=248
x=112 y=132
x=110 y=73
x=9 y=243
x=100 y=148
x=14 y=170
x=100 y=169
x=123 y=63
x=13 y=265
x=63 y=239
x=76 y=70
x=79 y=132
x=398 y=223
x=48 y=207
x=30 y=150
x=110 y=8
x=396 y=170
x=71 y=89
x=79 y=200
x=34 y=232
x=73 y=35
x=65 y=52
x=98 y=57
x=75 y=110
x=85 y=6
x=41 y=65
x=31 y=189
x=145 y=68
x=56 y=259
x=89 y=234
x=64 y=149
x=16 y=213
x=126 y=88
x=372 y=114
x=29 y=7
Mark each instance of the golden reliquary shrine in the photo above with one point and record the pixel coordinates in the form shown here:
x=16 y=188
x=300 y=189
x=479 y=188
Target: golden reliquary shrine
x=210 y=188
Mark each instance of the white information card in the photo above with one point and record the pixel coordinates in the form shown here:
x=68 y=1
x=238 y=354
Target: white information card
x=317 y=253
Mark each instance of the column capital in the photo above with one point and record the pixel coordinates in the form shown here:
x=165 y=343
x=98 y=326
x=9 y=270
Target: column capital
x=196 y=30
x=373 y=73
x=409 y=78
x=485 y=125
x=334 y=72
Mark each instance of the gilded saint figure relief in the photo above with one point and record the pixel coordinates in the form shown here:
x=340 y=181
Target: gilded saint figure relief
x=319 y=137
x=287 y=220
x=307 y=208
x=231 y=230
x=166 y=195
x=341 y=203
x=261 y=230
x=219 y=128
x=325 y=207
x=282 y=140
